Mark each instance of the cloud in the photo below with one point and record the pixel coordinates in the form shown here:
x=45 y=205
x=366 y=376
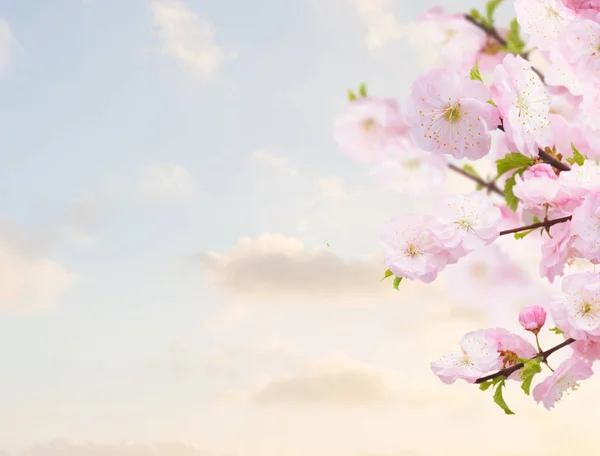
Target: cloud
x=8 y=46
x=64 y=448
x=381 y=24
x=274 y=161
x=334 y=381
x=163 y=180
x=29 y=283
x=188 y=38
x=331 y=188
x=276 y=267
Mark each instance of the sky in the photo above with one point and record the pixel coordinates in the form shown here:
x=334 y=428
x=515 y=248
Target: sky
x=189 y=266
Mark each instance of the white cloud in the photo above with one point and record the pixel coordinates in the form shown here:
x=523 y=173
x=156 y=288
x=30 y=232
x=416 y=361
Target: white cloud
x=279 y=268
x=164 y=180
x=274 y=161
x=333 y=381
x=331 y=188
x=187 y=37
x=382 y=27
x=29 y=283
x=8 y=46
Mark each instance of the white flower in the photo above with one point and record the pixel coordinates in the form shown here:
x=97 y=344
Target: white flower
x=543 y=20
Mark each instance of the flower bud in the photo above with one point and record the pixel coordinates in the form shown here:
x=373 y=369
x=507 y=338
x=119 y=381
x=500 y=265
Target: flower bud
x=532 y=318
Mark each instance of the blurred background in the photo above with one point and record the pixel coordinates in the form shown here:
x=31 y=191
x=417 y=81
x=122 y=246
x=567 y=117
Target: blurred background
x=189 y=266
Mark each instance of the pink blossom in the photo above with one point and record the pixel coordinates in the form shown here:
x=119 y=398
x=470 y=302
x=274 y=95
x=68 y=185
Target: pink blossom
x=449 y=113
x=588 y=350
x=543 y=20
x=577 y=311
x=579 y=46
x=585 y=224
x=532 y=318
x=511 y=347
x=537 y=186
x=466 y=222
x=580 y=181
x=565 y=377
x=366 y=126
x=411 y=250
x=558 y=249
x=407 y=169
x=579 y=6
x=524 y=104
x=456 y=40
x=478 y=355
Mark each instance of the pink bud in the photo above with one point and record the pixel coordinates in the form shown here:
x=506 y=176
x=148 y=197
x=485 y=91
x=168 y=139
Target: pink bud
x=532 y=318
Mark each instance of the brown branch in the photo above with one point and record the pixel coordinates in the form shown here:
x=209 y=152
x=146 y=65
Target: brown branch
x=545 y=224
x=547 y=158
x=510 y=370
x=490 y=186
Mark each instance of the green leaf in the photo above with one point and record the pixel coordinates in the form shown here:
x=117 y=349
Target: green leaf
x=387 y=274
x=490 y=9
x=536 y=220
x=475 y=74
x=397 y=281
x=528 y=371
x=577 y=156
x=514 y=43
x=362 y=90
x=499 y=399
x=351 y=95
x=468 y=168
x=556 y=331
x=512 y=161
x=485 y=385
x=475 y=15
x=522 y=234
x=492 y=103
x=511 y=200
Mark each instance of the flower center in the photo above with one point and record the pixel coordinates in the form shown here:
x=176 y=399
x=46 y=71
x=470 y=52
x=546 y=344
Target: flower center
x=412 y=250
x=491 y=47
x=522 y=104
x=415 y=163
x=509 y=358
x=586 y=309
x=368 y=124
x=450 y=33
x=464 y=224
x=452 y=113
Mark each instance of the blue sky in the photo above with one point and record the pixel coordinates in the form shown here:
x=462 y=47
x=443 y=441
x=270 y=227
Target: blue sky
x=140 y=142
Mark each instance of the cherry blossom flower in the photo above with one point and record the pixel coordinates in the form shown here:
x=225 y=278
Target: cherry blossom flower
x=524 y=104
x=537 y=187
x=543 y=20
x=511 y=347
x=579 y=46
x=407 y=169
x=411 y=250
x=478 y=355
x=449 y=113
x=558 y=250
x=466 y=222
x=588 y=350
x=582 y=6
x=565 y=377
x=366 y=126
x=532 y=318
x=577 y=311
x=455 y=40
x=585 y=224
x=581 y=180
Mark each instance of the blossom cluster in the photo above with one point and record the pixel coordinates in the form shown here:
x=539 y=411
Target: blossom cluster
x=540 y=125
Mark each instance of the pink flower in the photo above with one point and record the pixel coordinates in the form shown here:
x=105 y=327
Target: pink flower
x=543 y=20
x=478 y=355
x=466 y=222
x=588 y=350
x=407 y=169
x=532 y=318
x=449 y=113
x=411 y=250
x=585 y=224
x=511 y=347
x=577 y=311
x=456 y=40
x=524 y=104
x=537 y=186
x=579 y=46
x=579 y=6
x=581 y=180
x=558 y=249
x=565 y=377
x=366 y=126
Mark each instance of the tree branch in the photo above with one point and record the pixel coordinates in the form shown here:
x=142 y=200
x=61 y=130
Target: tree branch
x=546 y=157
x=509 y=370
x=544 y=224
x=490 y=186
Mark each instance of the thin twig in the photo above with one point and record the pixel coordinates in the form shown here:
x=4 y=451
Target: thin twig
x=545 y=224
x=546 y=157
x=509 y=370
x=490 y=186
